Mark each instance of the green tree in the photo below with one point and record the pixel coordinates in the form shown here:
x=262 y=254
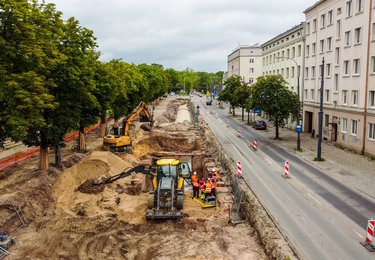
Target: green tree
x=271 y=94
x=241 y=95
x=228 y=94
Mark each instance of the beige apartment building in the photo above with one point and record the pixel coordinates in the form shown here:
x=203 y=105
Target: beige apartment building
x=246 y=62
x=283 y=55
x=343 y=33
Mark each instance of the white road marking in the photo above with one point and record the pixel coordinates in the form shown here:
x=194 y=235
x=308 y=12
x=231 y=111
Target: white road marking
x=269 y=161
x=355 y=232
x=311 y=196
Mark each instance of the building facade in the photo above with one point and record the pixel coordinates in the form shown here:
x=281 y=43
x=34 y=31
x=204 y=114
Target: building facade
x=342 y=32
x=246 y=62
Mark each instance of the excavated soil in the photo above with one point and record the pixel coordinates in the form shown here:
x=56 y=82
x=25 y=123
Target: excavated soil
x=69 y=219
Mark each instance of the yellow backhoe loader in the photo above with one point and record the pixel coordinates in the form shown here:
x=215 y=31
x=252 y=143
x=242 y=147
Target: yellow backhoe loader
x=119 y=143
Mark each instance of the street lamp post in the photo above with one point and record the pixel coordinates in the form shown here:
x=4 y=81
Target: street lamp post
x=320 y=122
x=298 y=95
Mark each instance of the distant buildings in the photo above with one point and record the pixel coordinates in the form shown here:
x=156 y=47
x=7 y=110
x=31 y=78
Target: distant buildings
x=343 y=33
x=246 y=61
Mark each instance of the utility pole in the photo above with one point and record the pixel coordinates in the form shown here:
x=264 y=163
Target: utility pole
x=320 y=123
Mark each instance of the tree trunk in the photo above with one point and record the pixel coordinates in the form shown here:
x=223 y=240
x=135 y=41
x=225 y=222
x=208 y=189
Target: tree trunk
x=277 y=129
x=234 y=110
x=82 y=141
x=58 y=160
x=230 y=108
x=115 y=127
x=248 y=117
x=43 y=155
x=243 y=111
x=103 y=125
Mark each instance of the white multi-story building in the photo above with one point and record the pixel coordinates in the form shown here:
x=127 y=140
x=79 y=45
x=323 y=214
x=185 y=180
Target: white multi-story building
x=283 y=55
x=246 y=62
x=342 y=32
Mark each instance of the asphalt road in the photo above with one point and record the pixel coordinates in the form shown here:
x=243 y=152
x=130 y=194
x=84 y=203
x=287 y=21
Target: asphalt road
x=322 y=218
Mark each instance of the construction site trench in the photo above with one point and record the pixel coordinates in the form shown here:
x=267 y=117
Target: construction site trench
x=67 y=217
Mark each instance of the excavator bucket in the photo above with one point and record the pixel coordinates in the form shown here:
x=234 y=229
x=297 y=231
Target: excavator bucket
x=160 y=214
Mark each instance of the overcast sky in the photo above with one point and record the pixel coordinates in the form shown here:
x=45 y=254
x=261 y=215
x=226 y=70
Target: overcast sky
x=198 y=34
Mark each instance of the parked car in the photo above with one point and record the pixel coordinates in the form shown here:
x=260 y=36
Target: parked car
x=260 y=125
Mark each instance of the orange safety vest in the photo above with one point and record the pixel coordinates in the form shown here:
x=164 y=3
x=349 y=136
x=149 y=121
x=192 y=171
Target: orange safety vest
x=202 y=186
x=194 y=179
x=213 y=182
x=208 y=187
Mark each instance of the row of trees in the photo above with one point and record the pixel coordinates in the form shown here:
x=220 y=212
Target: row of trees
x=270 y=94
x=52 y=81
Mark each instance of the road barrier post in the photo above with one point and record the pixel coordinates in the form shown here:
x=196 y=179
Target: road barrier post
x=369 y=236
x=239 y=168
x=255 y=144
x=239 y=132
x=286 y=170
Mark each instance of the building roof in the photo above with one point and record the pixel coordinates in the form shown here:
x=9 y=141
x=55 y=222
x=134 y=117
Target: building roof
x=313 y=6
x=295 y=28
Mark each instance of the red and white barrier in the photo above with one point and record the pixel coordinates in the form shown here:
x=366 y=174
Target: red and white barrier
x=286 y=170
x=239 y=168
x=370 y=231
x=255 y=144
x=369 y=236
x=238 y=132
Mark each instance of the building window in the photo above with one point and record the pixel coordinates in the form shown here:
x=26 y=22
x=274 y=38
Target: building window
x=251 y=60
x=313 y=46
x=336 y=82
x=345 y=97
x=320 y=71
x=307 y=50
x=322 y=21
x=348 y=8
x=357 y=35
x=327 y=95
x=339 y=10
x=251 y=70
x=307 y=28
x=329 y=43
x=321 y=46
x=251 y=80
x=347 y=38
x=354 y=97
x=371 y=131
x=313 y=72
x=338 y=29
x=344 y=125
x=299 y=48
x=346 y=67
x=312 y=94
x=373 y=31
x=306 y=94
x=306 y=72
x=330 y=17
x=293 y=52
x=359 y=6
x=292 y=76
x=287 y=73
x=314 y=26
x=287 y=53
x=356 y=66
x=328 y=69
x=326 y=120
x=354 y=127
x=372 y=98
x=337 y=55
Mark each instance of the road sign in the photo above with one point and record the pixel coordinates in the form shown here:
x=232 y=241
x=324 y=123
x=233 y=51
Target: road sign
x=257 y=111
x=299 y=128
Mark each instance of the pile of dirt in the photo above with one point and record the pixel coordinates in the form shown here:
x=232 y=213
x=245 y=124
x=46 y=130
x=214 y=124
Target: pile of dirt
x=90 y=187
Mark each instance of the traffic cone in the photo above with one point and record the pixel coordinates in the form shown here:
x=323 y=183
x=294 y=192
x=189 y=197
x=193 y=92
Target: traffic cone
x=255 y=144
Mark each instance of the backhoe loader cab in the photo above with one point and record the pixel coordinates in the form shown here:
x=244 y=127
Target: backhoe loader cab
x=167 y=199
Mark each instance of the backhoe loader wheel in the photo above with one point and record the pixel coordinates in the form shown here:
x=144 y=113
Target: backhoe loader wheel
x=150 y=201
x=180 y=201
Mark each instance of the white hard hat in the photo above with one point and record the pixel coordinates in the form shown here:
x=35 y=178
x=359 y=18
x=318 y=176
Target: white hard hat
x=195 y=173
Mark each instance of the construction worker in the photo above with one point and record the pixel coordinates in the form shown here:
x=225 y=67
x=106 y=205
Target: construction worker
x=194 y=180
x=214 y=184
x=202 y=188
x=208 y=189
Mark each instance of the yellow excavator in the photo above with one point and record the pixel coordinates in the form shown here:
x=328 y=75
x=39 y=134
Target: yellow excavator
x=119 y=143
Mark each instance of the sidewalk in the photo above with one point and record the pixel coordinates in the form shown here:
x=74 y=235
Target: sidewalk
x=351 y=169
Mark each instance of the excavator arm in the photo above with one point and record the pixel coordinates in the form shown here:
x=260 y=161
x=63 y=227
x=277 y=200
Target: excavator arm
x=145 y=169
x=142 y=107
